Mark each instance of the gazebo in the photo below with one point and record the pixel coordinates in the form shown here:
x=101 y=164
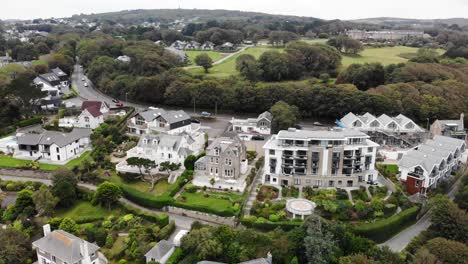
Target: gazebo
x=300 y=207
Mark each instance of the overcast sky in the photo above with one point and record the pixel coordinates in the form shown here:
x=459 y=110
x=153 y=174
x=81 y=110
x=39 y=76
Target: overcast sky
x=327 y=9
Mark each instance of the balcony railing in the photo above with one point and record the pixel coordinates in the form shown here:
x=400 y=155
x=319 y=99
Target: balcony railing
x=415 y=174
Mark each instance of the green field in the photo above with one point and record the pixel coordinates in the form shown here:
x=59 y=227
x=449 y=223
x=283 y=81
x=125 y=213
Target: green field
x=192 y=54
x=216 y=203
x=10 y=162
x=86 y=209
x=385 y=55
x=228 y=67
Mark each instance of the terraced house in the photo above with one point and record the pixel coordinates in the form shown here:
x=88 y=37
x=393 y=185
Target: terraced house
x=422 y=168
x=335 y=158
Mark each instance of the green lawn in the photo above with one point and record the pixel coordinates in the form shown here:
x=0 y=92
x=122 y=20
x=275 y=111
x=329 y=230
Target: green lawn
x=161 y=187
x=212 y=202
x=228 y=67
x=10 y=162
x=214 y=55
x=385 y=55
x=86 y=209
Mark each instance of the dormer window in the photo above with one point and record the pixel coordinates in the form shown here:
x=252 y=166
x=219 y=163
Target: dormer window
x=357 y=123
x=410 y=125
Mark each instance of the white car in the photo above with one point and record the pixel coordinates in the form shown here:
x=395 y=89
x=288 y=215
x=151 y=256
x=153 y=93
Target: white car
x=83 y=79
x=85 y=84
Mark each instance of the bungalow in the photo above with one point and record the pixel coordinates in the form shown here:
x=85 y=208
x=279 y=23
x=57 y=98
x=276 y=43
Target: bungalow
x=422 y=168
x=62 y=247
x=192 y=45
x=164 y=148
x=161 y=252
x=52 y=83
x=53 y=145
x=161 y=121
x=208 y=45
x=252 y=126
x=92 y=115
x=227 y=46
x=450 y=128
x=178 y=44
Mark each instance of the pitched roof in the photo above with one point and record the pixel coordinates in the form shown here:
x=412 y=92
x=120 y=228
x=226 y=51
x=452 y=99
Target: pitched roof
x=63 y=246
x=53 y=137
x=94 y=111
x=49 y=77
x=160 y=250
x=57 y=71
x=170 y=116
x=88 y=104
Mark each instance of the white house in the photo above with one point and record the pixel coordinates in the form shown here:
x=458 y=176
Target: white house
x=62 y=247
x=192 y=45
x=58 y=147
x=335 y=158
x=164 y=147
x=161 y=252
x=385 y=123
x=207 y=46
x=178 y=44
x=53 y=84
x=425 y=166
x=160 y=121
x=93 y=114
x=252 y=126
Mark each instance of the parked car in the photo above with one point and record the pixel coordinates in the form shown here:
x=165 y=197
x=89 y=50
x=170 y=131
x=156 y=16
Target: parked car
x=85 y=84
x=258 y=137
x=119 y=105
x=115 y=101
x=83 y=79
x=205 y=114
x=196 y=121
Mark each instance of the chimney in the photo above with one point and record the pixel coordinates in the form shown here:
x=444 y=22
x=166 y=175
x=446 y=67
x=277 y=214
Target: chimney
x=269 y=258
x=46 y=229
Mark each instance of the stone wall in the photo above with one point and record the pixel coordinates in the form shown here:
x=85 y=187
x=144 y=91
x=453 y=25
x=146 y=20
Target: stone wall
x=26 y=173
x=230 y=221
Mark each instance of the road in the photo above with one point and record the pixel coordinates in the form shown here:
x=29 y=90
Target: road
x=402 y=239
x=182 y=222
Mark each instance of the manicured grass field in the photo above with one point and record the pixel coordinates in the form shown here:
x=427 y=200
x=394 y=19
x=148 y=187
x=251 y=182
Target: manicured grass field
x=385 y=55
x=214 y=55
x=212 y=202
x=86 y=209
x=10 y=162
x=228 y=67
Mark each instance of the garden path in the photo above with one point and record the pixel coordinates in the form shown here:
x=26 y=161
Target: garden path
x=253 y=192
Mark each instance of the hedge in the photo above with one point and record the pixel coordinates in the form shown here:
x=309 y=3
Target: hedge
x=161 y=219
x=200 y=208
x=176 y=256
x=143 y=199
x=268 y=225
x=382 y=230
x=31 y=121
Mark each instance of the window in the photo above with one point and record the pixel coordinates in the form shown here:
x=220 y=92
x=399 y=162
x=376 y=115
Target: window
x=58 y=157
x=370 y=149
x=86 y=119
x=297 y=181
x=416 y=184
x=331 y=183
x=272 y=152
x=169 y=155
x=57 y=149
x=53 y=259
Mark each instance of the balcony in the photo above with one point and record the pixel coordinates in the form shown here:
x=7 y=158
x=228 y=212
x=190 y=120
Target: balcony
x=301 y=165
x=415 y=174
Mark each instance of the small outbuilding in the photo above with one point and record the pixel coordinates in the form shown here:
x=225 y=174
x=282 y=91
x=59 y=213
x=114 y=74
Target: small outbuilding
x=161 y=252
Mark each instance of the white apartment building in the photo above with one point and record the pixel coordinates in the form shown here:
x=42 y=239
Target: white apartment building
x=425 y=166
x=160 y=121
x=60 y=247
x=384 y=123
x=334 y=158
x=53 y=146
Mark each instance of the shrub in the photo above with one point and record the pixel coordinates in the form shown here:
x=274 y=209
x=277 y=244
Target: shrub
x=251 y=155
x=30 y=121
x=176 y=256
x=381 y=230
x=166 y=231
x=259 y=163
x=190 y=188
x=160 y=219
x=265 y=225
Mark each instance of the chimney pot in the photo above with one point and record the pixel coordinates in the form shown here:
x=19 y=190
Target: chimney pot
x=46 y=229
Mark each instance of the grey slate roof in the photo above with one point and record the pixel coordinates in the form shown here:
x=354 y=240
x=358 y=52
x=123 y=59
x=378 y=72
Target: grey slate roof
x=63 y=246
x=57 y=71
x=170 y=116
x=53 y=137
x=49 y=77
x=321 y=134
x=456 y=122
x=160 y=250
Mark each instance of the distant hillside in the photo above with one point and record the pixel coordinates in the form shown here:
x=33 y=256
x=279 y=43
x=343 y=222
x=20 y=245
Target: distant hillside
x=404 y=22
x=199 y=15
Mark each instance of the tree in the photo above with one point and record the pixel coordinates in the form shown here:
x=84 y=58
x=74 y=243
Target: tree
x=319 y=242
x=284 y=116
x=423 y=256
x=462 y=197
x=107 y=194
x=15 y=248
x=364 y=76
x=205 y=61
x=26 y=94
x=448 y=220
x=148 y=165
x=68 y=225
x=169 y=167
x=45 y=201
x=354 y=259
x=189 y=162
x=64 y=187
x=247 y=66
x=24 y=205
x=448 y=251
